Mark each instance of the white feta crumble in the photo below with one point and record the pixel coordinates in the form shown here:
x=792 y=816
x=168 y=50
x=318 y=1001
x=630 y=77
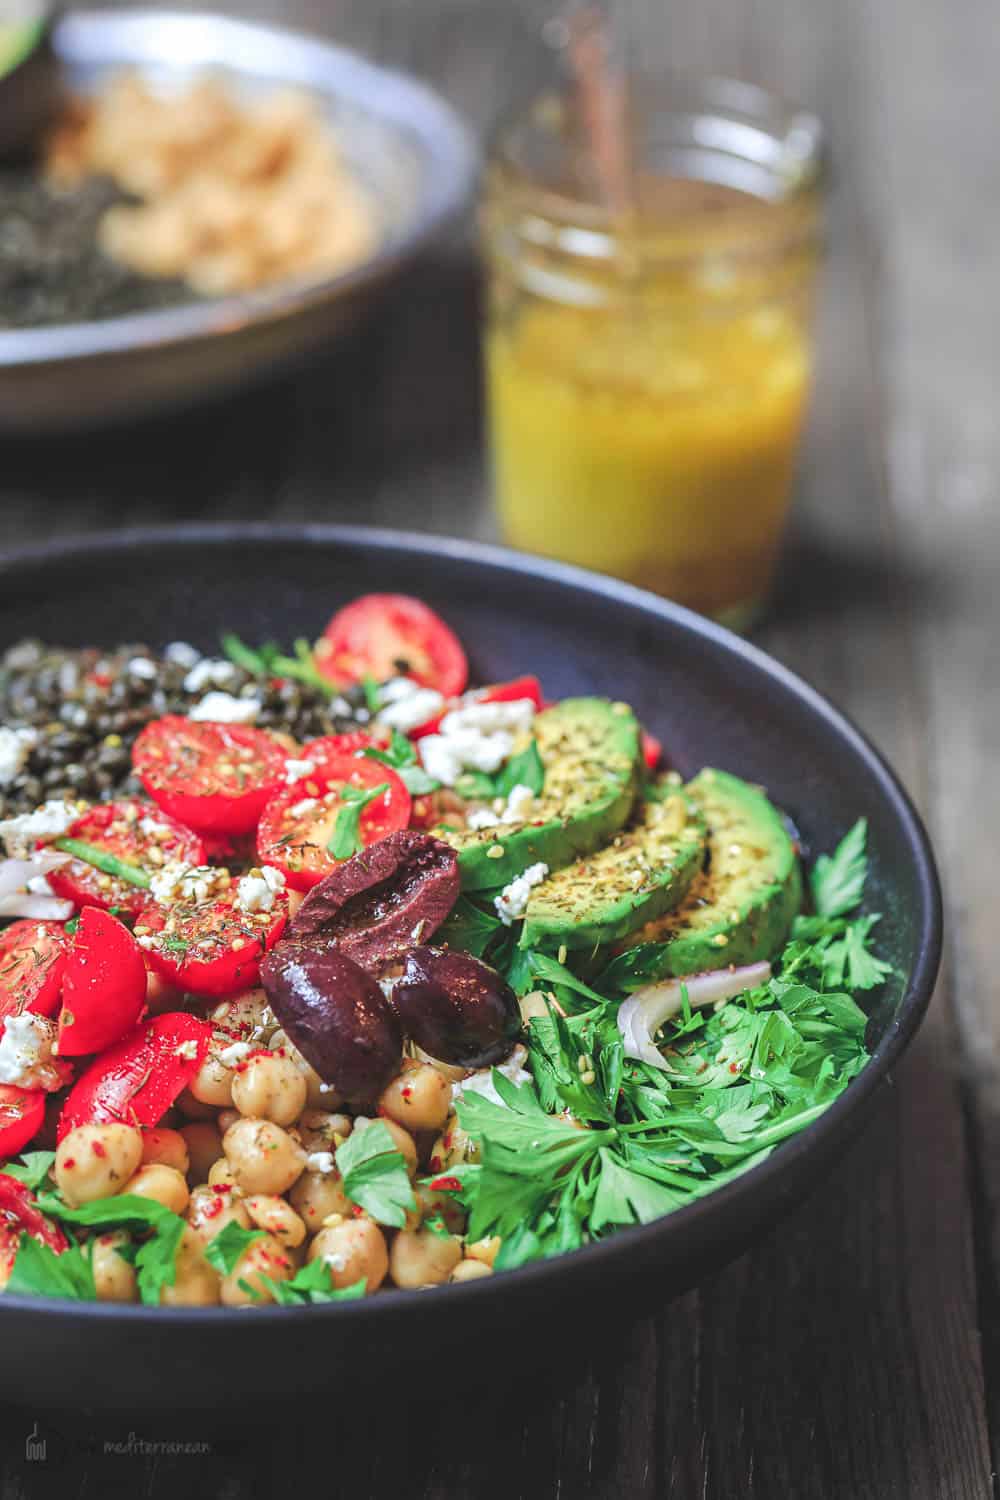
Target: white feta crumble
x=488 y=718
x=211 y=671
x=182 y=654
x=295 y=770
x=141 y=666
x=320 y=1161
x=406 y=705
x=48 y=821
x=481 y=817
x=234 y=1054
x=481 y=1081
x=341 y=708
x=335 y=1261
x=177 y=881
x=307 y=805
x=26 y=1051
x=38 y=885
x=15 y=747
x=512 y=902
x=223 y=708
x=257 y=891
x=520 y=804
x=187 y=1050
x=446 y=756
x=154 y=827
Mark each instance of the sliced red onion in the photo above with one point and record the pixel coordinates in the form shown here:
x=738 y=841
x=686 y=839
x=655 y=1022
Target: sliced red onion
x=642 y=1014
x=16 y=900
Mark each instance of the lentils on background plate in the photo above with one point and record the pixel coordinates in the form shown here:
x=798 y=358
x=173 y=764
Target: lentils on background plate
x=88 y=706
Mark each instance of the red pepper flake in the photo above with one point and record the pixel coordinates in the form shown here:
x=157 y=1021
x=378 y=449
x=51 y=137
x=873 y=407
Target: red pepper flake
x=357 y=1210
x=70 y=1161
x=734 y=1067
x=446 y=1185
x=98 y=1148
x=406 y=1092
x=213 y=1209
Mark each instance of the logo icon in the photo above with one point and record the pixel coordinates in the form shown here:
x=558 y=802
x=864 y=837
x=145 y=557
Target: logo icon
x=34 y=1446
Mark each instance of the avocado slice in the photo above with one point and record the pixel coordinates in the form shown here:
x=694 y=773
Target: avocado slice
x=642 y=873
x=740 y=909
x=591 y=754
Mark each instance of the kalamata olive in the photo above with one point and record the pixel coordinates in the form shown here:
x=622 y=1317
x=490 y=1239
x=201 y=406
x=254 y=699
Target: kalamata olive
x=456 y=1008
x=385 y=898
x=335 y=1013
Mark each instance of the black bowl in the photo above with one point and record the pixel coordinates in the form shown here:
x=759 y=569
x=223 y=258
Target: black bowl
x=710 y=696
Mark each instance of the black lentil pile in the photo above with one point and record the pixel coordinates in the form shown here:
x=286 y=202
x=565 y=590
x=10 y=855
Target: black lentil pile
x=87 y=708
x=51 y=269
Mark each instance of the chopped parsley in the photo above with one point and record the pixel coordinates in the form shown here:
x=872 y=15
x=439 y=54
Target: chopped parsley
x=375 y=1175
x=347 y=838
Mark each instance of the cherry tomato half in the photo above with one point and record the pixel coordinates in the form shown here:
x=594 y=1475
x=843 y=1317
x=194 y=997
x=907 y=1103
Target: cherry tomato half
x=392 y=635
x=137 y=1080
x=104 y=985
x=351 y=743
x=652 y=750
x=300 y=827
x=22 y=1113
x=211 y=777
x=137 y=834
x=32 y=958
x=211 y=947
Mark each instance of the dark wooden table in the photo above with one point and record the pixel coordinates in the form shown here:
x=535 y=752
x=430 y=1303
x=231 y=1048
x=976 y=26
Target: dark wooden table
x=854 y=1354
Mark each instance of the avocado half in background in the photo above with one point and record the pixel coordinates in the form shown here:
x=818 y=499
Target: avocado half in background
x=29 y=75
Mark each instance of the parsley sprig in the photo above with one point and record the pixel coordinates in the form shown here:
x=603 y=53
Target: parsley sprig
x=347 y=838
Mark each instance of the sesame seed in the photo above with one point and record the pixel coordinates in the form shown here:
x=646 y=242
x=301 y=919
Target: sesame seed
x=495 y=851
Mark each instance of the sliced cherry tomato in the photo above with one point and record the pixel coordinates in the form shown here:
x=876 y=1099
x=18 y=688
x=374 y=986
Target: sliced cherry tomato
x=352 y=743
x=210 y=947
x=211 y=777
x=299 y=827
x=19 y=1213
x=652 y=750
x=32 y=958
x=497 y=692
x=133 y=832
x=137 y=1080
x=22 y=1113
x=392 y=635
x=104 y=985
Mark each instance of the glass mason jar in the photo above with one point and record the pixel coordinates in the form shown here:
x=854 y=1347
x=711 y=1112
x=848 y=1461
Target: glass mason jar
x=648 y=368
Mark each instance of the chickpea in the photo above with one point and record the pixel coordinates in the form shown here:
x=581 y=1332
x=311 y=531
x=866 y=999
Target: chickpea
x=227 y=1117
x=114 y=1277
x=277 y=1217
x=263 y=1157
x=319 y=1095
x=269 y=1087
x=470 y=1270
x=204 y=1144
x=402 y=1140
x=211 y=1210
x=484 y=1250
x=163 y=1184
x=445 y=1204
x=351 y=1250
x=319 y=1130
x=419 y=1098
x=220 y=1174
x=453 y=1147
x=316 y=1196
x=196 y=1282
x=213 y=1083
x=265 y=1257
x=194 y=1109
x=450 y=1071
x=168 y=1147
x=96 y=1161
x=419 y=1257
x=245 y=1018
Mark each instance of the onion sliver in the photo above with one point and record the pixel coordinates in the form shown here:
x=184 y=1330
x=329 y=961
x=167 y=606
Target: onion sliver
x=642 y=1014
x=15 y=898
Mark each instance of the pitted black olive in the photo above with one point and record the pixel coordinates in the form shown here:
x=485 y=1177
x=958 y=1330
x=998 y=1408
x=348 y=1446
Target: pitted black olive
x=456 y=1007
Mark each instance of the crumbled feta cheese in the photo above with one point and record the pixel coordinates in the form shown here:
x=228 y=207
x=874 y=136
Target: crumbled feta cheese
x=141 y=666
x=182 y=654
x=409 y=708
x=38 y=885
x=335 y=1261
x=481 y=1081
x=26 y=1051
x=187 y=1050
x=397 y=688
x=154 y=827
x=320 y=1161
x=180 y=882
x=341 y=708
x=520 y=804
x=481 y=817
x=257 y=891
x=446 y=756
x=512 y=902
x=440 y=759
x=211 y=671
x=48 y=821
x=488 y=718
x=234 y=1054
x=15 y=747
x=296 y=769
x=307 y=805
x=223 y=708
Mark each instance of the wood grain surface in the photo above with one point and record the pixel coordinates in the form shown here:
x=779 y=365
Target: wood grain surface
x=854 y=1354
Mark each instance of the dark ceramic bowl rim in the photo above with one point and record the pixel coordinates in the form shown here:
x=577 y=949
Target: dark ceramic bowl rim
x=444 y=138
x=897 y=1038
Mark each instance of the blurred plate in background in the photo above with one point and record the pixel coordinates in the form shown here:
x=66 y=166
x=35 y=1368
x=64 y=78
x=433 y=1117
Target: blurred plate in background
x=405 y=145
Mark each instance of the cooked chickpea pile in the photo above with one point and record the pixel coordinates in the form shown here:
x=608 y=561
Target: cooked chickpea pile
x=251 y=1142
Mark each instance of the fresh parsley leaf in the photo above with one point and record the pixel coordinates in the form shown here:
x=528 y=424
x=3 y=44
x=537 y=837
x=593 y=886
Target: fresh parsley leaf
x=375 y=1175
x=372 y=690
x=523 y=769
x=548 y=969
x=837 y=881
x=469 y=928
x=32 y=1169
x=40 y=1272
x=72 y=925
x=243 y=655
x=224 y=1249
x=625 y=1196
x=312 y=1284
x=476 y=786
x=850 y=959
x=401 y=757
x=155 y=1262
x=347 y=838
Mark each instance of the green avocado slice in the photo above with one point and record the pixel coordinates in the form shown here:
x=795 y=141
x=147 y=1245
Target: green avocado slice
x=741 y=908
x=644 y=872
x=590 y=750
